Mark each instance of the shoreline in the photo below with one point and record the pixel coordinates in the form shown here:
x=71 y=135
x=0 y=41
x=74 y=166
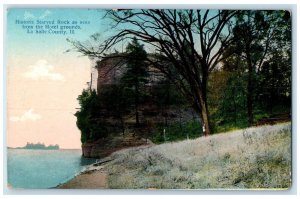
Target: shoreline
x=93 y=177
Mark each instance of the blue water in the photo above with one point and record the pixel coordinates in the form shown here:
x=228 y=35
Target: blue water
x=43 y=168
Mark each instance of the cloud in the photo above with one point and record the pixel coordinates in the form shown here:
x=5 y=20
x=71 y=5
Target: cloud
x=28 y=15
x=45 y=14
x=28 y=115
x=43 y=70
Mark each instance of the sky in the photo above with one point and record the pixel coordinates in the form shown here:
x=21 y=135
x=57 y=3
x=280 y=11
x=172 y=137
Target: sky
x=43 y=81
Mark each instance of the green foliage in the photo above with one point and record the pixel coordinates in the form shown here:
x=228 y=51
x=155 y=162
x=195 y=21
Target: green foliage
x=229 y=125
x=136 y=73
x=227 y=99
x=117 y=99
x=275 y=83
x=165 y=94
x=177 y=132
x=233 y=102
x=262 y=44
x=88 y=117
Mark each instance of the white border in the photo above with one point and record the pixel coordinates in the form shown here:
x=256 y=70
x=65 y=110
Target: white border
x=255 y=4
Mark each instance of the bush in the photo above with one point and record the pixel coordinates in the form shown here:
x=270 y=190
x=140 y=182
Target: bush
x=89 y=119
x=175 y=132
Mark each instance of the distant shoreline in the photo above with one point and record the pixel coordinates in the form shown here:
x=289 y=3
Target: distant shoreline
x=20 y=148
x=35 y=149
x=40 y=146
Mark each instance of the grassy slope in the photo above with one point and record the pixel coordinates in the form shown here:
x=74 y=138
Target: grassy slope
x=251 y=158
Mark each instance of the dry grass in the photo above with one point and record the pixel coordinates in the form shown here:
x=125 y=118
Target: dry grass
x=255 y=158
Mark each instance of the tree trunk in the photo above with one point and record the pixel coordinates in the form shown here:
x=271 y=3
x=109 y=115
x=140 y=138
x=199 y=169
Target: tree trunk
x=203 y=101
x=203 y=111
x=205 y=119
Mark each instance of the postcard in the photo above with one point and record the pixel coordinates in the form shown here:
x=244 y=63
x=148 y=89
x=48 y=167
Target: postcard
x=148 y=99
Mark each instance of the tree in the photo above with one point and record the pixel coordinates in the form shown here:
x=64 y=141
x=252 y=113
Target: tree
x=274 y=82
x=186 y=46
x=90 y=119
x=118 y=100
x=275 y=74
x=136 y=74
x=256 y=35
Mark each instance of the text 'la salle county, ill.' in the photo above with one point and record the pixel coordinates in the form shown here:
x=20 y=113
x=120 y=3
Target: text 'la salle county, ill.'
x=53 y=32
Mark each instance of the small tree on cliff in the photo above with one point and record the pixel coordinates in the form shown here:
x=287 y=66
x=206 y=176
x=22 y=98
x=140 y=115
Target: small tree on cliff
x=136 y=75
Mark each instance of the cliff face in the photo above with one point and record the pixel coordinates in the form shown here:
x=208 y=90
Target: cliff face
x=86 y=150
x=105 y=147
x=109 y=71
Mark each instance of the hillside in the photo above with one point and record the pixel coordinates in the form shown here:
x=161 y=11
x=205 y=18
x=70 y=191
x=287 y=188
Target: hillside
x=255 y=158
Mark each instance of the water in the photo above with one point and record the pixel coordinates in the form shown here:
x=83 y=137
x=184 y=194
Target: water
x=43 y=168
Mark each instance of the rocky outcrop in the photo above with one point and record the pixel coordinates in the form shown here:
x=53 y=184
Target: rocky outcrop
x=87 y=149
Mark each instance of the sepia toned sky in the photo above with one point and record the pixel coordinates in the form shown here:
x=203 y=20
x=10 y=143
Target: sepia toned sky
x=43 y=81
